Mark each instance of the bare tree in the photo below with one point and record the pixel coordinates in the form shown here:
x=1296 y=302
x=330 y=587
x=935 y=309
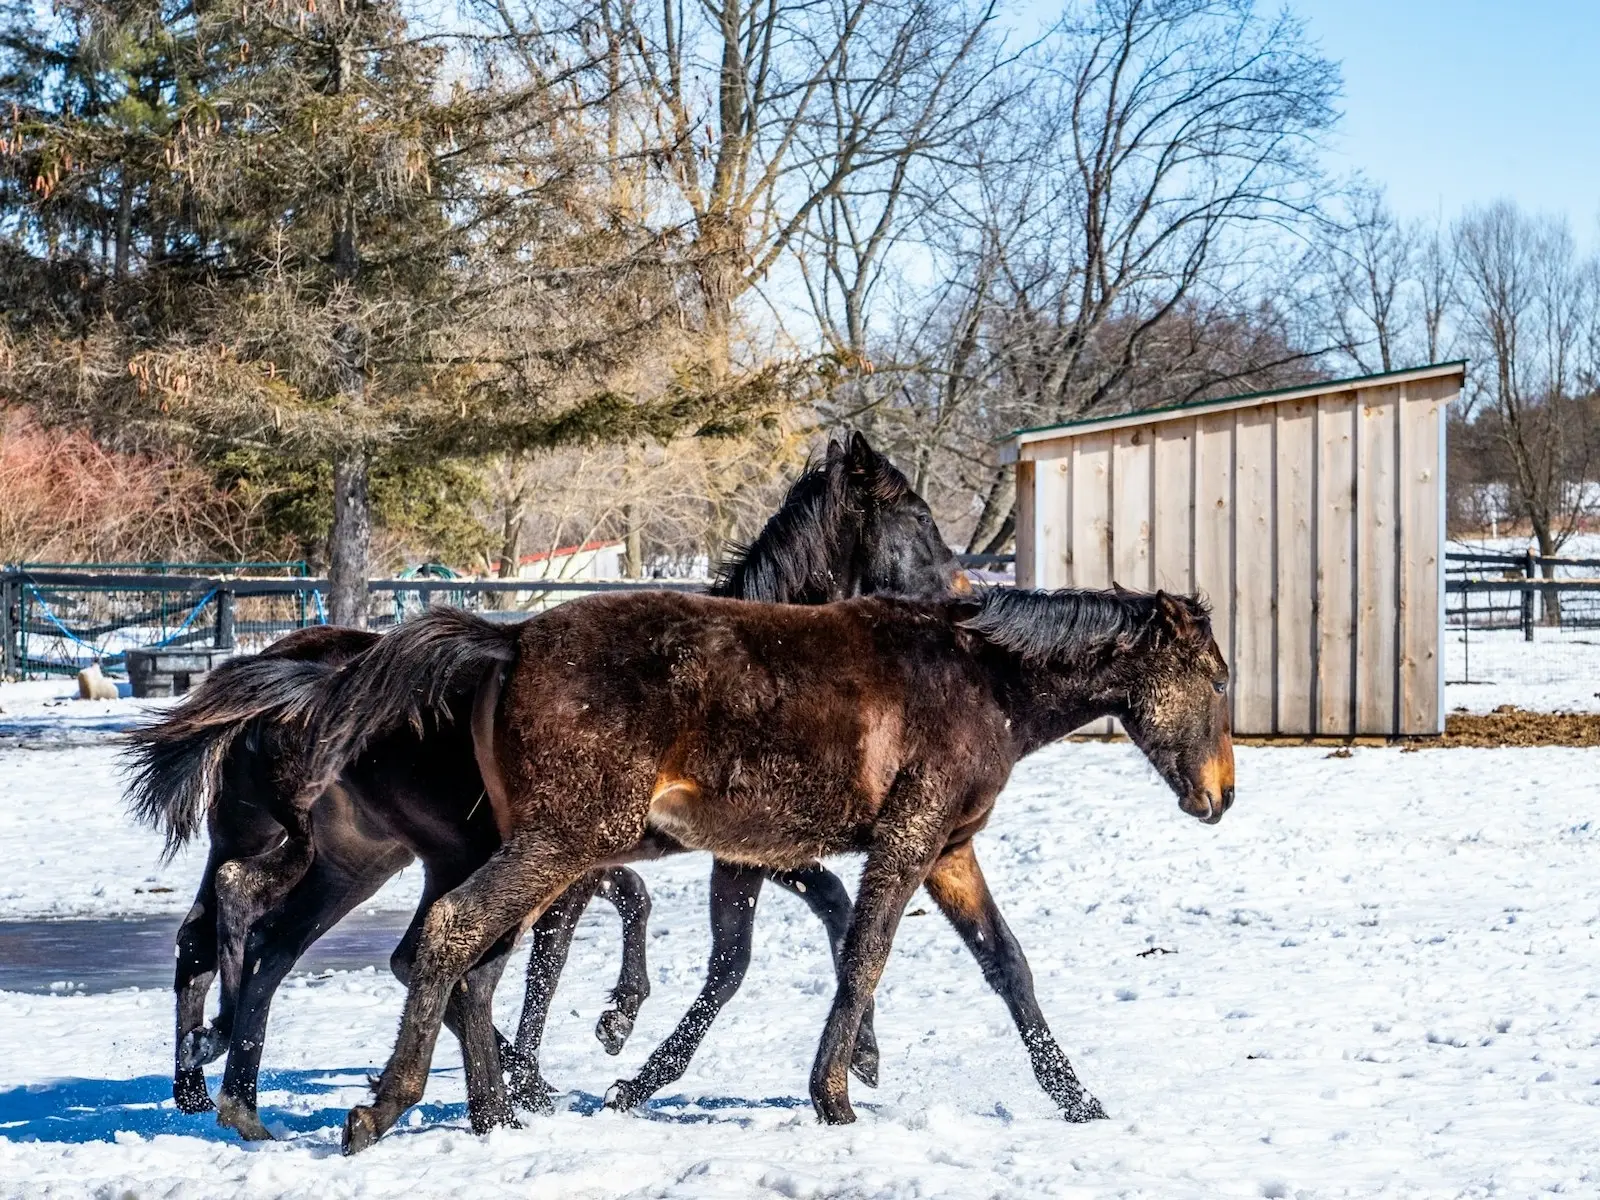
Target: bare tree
x=1372 y=270
x=1529 y=311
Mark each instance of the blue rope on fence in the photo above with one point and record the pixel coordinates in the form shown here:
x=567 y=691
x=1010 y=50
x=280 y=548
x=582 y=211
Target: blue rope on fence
x=96 y=650
x=322 y=613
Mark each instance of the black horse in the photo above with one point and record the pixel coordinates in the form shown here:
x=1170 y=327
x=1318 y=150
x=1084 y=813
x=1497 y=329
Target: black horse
x=849 y=526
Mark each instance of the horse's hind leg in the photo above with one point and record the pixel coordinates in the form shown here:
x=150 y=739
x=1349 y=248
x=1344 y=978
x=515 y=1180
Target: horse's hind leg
x=246 y=888
x=734 y=891
x=826 y=896
x=317 y=902
x=958 y=888
x=626 y=891
x=196 y=965
x=552 y=937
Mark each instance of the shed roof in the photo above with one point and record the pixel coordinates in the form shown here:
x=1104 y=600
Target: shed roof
x=1013 y=442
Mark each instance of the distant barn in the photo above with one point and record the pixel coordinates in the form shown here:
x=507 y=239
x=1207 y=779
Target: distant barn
x=1312 y=518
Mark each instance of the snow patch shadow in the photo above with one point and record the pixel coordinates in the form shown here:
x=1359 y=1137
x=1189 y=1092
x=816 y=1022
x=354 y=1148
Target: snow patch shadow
x=96 y=1110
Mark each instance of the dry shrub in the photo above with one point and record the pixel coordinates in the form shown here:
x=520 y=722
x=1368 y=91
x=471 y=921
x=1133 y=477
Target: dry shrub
x=64 y=498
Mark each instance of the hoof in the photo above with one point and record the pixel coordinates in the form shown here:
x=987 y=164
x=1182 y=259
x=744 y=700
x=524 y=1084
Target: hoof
x=360 y=1130
x=621 y=1096
x=497 y=1116
x=613 y=1029
x=1084 y=1108
x=834 y=1110
x=532 y=1092
x=864 y=1065
x=199 y=1047
x=189 y=1092
x=242 y=1119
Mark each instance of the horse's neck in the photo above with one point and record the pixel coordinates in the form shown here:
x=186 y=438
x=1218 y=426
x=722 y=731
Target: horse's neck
x=1044 y=704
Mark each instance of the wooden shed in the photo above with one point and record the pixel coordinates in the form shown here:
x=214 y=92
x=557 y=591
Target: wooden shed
x=1312 y=518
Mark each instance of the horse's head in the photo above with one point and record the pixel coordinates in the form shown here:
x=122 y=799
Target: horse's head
x=1177 y=704
x=891 y=542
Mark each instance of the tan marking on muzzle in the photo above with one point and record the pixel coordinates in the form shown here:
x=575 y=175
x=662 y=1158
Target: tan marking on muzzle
x=961 y=585
x=1216 y=777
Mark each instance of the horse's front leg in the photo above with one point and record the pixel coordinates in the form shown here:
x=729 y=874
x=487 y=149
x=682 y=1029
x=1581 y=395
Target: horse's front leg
x=895 y=866
x=523 y=876
x=626 y=892
x=827 y=897
x=957 y=886
x=734 y=891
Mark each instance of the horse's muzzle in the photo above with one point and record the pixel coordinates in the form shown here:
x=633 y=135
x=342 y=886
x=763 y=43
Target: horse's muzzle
x=1212 y=794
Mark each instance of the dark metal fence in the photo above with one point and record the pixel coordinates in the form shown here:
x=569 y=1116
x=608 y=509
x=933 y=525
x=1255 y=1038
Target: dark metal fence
x=56 y=618
x=1523 y=620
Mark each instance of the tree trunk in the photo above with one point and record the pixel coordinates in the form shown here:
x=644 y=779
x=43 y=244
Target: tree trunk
x=1547 y=549
x=633 y=564
x=350 y=543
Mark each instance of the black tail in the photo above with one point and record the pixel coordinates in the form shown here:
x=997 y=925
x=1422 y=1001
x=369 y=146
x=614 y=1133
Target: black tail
x=174 y=764
x=411 y=672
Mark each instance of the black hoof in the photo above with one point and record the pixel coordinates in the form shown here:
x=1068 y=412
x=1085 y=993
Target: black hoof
x=833 y=1110
x=613 y=1029
x=189 y=1092
x=622 y=1097
x=531 y=1092
x=199 y=1047
x=242 y=1119
x=864 y=1065
x=360 y=1130
x=1084 y=1108
x=498 y=1116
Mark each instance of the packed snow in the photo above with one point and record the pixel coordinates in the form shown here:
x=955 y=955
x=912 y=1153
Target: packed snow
x=1380 y=975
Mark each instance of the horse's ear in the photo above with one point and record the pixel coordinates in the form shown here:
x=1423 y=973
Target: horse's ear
x=1182 y=618
x=835 y=452
x=1118 y=590
x=861 y=458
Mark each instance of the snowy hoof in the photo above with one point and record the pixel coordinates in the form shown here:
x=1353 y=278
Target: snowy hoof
x=621 y=1097
x=1085 y=1108
x=242 y=1119
x=491 y=1117
x=360 y=1130
x=199 y=1047
x=531 y=1091
x=864 y=1065
x=613 y=1029
x=189 y=1092
x=833 y=1110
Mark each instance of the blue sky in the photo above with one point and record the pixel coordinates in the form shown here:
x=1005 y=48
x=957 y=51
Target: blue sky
x=1453 y=103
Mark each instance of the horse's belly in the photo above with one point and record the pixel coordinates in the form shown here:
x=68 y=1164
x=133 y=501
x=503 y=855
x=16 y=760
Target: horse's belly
x=744 y=828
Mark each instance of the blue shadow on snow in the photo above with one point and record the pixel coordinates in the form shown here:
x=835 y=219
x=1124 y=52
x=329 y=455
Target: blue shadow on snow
x=95 y=1110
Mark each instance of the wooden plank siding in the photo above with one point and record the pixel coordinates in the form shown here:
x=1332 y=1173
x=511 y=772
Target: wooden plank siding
x=1421 y=618
x=1295 y=513
x=1255 y=575
x=1131 y=509
x=1377 y=571
x=1312 y=521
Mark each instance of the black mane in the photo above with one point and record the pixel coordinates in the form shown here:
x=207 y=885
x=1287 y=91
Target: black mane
x=792 y=547
x=1042 y=626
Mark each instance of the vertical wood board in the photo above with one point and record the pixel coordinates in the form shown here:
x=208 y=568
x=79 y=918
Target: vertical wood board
x=1377 y=568
x=1131 y=517
x=1336 y=566
x=1296 y=567
x=1253 y=665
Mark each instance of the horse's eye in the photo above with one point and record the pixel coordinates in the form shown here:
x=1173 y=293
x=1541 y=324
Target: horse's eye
x=1220 y=686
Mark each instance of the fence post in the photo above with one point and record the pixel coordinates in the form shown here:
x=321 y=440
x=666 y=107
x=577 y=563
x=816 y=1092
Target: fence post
x=1527 y=600
x=8 y=631
x=224 y=637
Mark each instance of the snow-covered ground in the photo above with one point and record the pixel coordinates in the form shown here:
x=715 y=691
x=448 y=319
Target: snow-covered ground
x=1385 y=980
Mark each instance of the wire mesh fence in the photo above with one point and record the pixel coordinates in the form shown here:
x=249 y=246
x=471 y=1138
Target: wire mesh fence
x=1522 y=629
x=56 y=618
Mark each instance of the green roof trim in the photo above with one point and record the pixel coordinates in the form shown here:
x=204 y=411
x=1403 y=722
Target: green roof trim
x=1325 y=385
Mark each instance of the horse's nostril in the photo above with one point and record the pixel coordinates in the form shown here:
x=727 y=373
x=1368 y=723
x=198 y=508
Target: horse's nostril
x=1227 y=798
